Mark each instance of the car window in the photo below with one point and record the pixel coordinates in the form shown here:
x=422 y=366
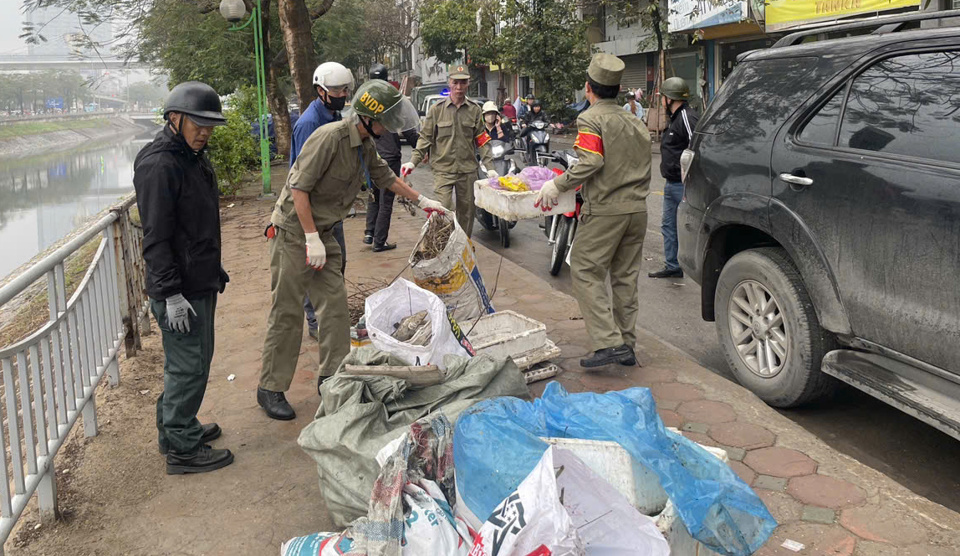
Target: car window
x=822 y=127
x=908 y=105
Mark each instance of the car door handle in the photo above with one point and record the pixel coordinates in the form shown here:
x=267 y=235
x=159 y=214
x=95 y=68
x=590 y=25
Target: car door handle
x=796 y=180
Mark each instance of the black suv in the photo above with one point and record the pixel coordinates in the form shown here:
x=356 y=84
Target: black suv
x=822 y=217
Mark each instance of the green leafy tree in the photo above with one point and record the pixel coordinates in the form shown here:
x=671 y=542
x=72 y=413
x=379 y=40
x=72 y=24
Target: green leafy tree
x=448 y=28
x=233 y=152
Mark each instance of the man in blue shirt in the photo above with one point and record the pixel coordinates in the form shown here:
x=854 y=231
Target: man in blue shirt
x=333 y=82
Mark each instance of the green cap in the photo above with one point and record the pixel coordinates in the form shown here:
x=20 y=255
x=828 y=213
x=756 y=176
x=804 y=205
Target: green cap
x=460 y=72
x=675 y=88
x=606 y=69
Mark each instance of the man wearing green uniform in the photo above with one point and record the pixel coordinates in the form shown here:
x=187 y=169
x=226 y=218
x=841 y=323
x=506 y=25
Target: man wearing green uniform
x=452 y=131
x=614 y=169
x=304 y=256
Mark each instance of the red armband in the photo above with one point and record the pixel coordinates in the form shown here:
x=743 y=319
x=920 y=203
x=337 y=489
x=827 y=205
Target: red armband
x=590 y=142
x=482 y=139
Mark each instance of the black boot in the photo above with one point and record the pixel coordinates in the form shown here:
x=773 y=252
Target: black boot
x=211 y=432
x=368 y=238
x=667 y=273
x=206 y=459
x=605 y=356
x=630 y=359
x=384 y=247
x=275 y=404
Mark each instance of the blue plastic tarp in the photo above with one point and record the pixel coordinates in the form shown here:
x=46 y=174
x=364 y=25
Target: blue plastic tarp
x=497 y=443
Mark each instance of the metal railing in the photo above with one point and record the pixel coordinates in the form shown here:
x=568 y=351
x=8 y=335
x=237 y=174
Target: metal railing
x=48 y=379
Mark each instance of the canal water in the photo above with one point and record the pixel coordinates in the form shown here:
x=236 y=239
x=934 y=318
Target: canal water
x=44 y=198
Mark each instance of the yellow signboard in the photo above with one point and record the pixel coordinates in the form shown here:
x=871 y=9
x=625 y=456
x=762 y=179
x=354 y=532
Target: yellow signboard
x=784 y=14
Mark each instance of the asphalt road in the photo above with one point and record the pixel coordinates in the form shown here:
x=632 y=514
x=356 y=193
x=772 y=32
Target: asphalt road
x=918 y=456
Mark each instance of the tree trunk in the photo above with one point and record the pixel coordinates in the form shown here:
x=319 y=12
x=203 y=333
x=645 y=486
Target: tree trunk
x=275 y=99
x=298 y=41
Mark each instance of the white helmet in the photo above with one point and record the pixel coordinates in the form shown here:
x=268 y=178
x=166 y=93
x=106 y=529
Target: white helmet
x=490 y=106
x=332 y=74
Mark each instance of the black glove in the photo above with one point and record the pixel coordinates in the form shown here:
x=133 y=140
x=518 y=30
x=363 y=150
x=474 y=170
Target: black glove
x=224 y=278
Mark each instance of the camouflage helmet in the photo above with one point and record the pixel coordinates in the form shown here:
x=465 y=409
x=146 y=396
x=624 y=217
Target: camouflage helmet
x=382 y=102
x=675 y=88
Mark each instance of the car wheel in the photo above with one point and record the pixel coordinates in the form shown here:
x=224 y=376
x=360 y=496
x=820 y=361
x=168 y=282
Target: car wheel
x=769 y=331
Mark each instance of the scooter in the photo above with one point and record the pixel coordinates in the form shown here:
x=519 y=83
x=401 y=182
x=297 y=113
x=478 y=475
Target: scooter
x=562 y=228
x=537 y=144
x=504 y=166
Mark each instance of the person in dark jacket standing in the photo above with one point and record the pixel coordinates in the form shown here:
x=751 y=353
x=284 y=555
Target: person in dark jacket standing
x=683 y=120
x=380 y=210
x=179 y=205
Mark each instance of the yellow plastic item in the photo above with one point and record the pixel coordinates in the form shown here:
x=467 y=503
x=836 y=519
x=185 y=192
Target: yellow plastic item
x=513 y=183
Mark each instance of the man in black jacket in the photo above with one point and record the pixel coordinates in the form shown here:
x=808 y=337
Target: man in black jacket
x=683 y=120
x=179 y=207
x=380 y=210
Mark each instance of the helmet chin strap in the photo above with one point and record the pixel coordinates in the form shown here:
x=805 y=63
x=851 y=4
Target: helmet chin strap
x=369 y=127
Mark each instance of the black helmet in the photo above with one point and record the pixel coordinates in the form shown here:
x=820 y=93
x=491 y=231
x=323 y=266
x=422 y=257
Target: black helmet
x=536 y=103
x=378 y=71
x=197 y=100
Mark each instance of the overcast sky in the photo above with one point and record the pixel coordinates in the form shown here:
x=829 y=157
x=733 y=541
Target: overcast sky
x=11 y=22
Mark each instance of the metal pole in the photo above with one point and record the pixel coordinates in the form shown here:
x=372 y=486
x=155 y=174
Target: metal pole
x=262 y=101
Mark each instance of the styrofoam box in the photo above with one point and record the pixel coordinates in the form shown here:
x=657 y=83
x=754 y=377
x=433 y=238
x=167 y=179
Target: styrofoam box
x=507 y=334
x=518 y=205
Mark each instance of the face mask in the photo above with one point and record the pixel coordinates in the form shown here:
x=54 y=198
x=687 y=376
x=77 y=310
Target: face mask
x=334 y=103
x=490 y=118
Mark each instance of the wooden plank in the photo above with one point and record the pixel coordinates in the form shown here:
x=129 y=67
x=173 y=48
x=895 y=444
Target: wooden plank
x=426 y=375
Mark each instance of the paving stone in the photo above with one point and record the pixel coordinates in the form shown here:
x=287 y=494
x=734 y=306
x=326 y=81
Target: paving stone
x=676 y=391
x=670 y=418
x=883 y=524
x=707 y=411
x=816 y=514
x=668 y=404
x=734 y=453
x=927 y=550
x=742 y=435
x=505 y=301
x=649 y=377
x=818 y=540
x=783 y=506
x=870 y=548
x=780 y=462
x=699 y=438
x=770 y=483
x=826 y=492
x=744 y=472
x=695 y=427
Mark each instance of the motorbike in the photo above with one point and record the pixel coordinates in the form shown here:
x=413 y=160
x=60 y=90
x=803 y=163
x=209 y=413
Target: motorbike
x=504 y=166
x=537 y=144
x=561 y=229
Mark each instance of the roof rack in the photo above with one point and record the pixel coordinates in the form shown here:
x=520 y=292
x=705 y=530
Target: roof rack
x=885 y=24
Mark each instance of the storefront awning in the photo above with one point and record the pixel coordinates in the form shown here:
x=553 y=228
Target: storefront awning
x=787 y=14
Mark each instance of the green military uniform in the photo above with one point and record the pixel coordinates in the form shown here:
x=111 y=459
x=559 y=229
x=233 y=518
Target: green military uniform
x=331 y=167
x=450 y=135
x=614 y=169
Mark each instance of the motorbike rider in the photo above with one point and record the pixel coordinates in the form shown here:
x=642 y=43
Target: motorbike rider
x=497 y=129
x=527 y=106
x=380 y=209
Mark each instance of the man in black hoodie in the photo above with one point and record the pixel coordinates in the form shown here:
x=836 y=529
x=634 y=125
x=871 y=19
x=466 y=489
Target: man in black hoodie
x=179 y=206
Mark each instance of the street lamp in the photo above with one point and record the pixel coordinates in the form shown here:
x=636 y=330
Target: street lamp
x=233 y=11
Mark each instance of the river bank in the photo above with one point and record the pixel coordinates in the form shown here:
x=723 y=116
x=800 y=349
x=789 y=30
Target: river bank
x=37 y=138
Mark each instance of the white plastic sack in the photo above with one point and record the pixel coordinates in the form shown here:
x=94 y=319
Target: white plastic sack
x=564 y=508
x=388 y=306
x=317 y=544
x=453 y=275
x=431 y=529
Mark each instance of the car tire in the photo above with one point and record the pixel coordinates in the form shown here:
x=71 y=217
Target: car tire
x=785 y=336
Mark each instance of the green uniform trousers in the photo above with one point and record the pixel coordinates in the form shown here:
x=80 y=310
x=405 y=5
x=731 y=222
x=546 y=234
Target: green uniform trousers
x=444 y=185
x=186 y=368
x=608 y=245
x=290 y=278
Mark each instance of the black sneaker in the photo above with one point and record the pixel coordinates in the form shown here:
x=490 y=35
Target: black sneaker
x=206 y=459
x=667 y=273
x=605 y=356
x=630 y=359
x=211 y=432
x=384 y=247
x=368 y=239
x=275 y=404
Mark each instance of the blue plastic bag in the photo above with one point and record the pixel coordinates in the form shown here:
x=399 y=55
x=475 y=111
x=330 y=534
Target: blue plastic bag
x=497 y=443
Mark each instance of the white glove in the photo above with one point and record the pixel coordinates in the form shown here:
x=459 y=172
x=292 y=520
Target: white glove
x=549 y=196
x=178 y=313
x=429 y=204
x=316 y=252
x=492 y=174
x=406 y=169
